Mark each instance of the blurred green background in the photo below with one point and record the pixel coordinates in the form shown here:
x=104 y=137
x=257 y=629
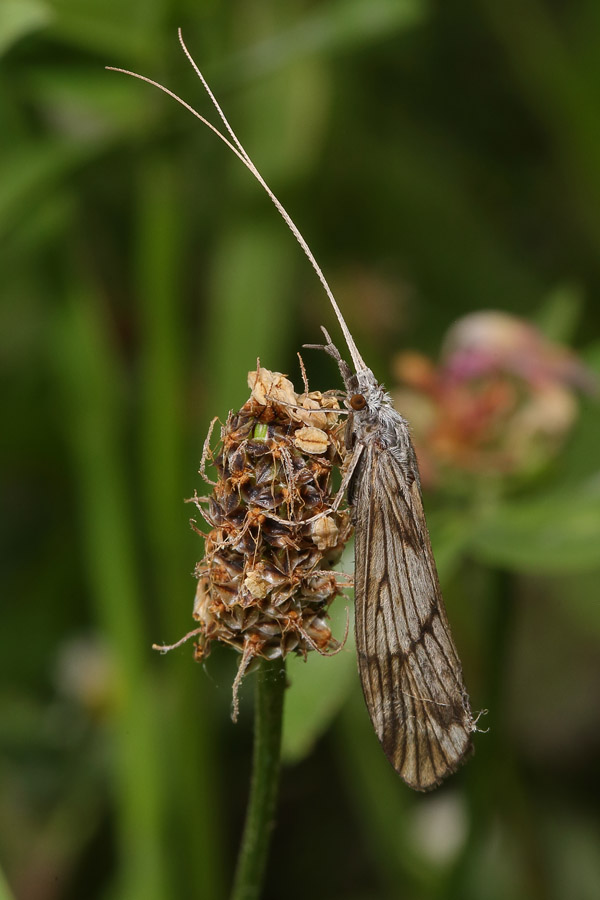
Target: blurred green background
x=440 y=158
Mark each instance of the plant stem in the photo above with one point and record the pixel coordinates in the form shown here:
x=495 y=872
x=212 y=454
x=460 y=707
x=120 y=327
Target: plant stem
x=268 y=716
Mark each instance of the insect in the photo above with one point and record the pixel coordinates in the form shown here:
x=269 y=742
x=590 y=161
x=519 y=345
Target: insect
x=409 y=668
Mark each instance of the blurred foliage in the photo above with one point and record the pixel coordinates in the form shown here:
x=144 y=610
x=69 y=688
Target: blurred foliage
x=440 y=159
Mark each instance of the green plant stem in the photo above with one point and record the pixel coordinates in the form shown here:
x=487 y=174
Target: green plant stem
x=268 y=716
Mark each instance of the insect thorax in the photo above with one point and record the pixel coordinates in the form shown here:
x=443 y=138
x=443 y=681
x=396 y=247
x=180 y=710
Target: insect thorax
x=379 y=423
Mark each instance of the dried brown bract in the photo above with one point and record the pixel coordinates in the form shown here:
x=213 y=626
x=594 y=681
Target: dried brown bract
x=264 y=585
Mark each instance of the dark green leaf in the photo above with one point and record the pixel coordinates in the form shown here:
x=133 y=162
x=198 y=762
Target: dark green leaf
x=557 y=533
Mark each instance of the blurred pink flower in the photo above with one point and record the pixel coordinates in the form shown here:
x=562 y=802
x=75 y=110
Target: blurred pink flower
x=501 y=401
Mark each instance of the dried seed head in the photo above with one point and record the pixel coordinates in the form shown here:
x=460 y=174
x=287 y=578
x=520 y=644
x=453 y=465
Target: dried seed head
x=263 y=587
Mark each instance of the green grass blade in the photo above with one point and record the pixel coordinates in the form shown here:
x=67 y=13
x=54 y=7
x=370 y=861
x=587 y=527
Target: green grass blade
x=93 y=416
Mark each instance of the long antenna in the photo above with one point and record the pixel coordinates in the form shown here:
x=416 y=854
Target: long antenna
x=237 y=148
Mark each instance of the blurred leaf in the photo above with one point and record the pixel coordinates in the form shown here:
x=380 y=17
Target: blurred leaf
x=49 y=218
x=189 y=748
x=5 y=891
x=560 y=314
x=557 y=533
x=333 y=26
x=250 y=314
x=29 y=171
x=579 y=592
x=91 y=379
x=319 y=686
x=288 y=141
x=111 y=27
x=549 y=77
x=450 y=536
x=441 y=220
x=20 y=17
x=579 y=460
x=88 y=102
x=591 y=356
x=573 y=853
x=318 y=689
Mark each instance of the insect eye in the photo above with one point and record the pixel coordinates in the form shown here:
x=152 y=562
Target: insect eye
x=357 y=401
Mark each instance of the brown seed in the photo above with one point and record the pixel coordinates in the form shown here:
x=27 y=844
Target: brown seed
x=311 y=440
x=257 y=585
x=312 y=410
x=271 y=387
x=325 y=533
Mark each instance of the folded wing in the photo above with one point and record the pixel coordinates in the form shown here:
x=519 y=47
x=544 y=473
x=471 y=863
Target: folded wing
x=409 y=667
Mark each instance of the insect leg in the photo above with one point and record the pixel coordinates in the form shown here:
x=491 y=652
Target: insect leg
x=206 y=452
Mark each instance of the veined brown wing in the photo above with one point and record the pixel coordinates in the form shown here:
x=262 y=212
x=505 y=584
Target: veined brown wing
x=409 y=668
